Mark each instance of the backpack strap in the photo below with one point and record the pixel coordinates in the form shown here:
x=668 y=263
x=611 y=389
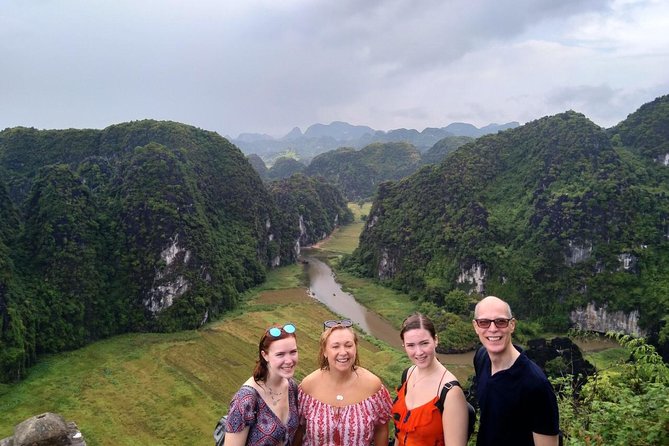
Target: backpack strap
x=442 y=395
x=471 y=411
x=404 y=375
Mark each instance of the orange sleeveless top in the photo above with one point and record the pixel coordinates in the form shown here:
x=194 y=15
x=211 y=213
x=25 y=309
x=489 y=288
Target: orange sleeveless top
x=420 y=426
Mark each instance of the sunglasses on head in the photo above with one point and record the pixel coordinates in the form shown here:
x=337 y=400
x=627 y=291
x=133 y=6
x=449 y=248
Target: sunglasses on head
x=275 y=332
x=500 y=322
x=334 y=323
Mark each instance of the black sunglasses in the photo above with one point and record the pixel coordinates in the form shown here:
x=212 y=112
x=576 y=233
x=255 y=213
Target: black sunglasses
x=500 y=322
x=275 y=332
x=334 y=323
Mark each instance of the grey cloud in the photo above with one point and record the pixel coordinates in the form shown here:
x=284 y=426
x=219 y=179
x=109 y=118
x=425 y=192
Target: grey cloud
x=265 y=66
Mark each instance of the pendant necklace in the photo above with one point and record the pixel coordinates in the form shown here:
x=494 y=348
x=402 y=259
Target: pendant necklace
x=275 y=396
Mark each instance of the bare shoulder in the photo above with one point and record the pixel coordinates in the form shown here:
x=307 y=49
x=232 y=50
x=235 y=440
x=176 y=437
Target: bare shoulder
x=448 y=377
x=251 y=383
x=369 y=381
x=456 y=392
x=310 y=381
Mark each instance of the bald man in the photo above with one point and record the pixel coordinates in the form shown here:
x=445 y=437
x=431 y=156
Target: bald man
x=517 y=403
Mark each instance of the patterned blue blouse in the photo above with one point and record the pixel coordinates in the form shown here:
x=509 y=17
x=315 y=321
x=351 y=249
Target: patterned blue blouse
x=247 y=408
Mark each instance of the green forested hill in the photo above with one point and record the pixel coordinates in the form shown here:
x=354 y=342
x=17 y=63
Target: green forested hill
x=646 y=131
x=443 y=147
x=550 y=215
x=144 y=225
x=284 y=167
x=310 y=209
x=358 y=172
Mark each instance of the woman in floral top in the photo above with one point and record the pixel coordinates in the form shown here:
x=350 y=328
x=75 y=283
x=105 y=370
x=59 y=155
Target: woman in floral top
x=264 y=410
x=342 y=403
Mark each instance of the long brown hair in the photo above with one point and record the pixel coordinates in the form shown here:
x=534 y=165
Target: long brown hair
x=322 y=357
x=260 y=371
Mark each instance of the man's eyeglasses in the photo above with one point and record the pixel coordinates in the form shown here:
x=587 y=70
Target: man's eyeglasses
x=334 y=323
x=499 y=322
x=275 y=332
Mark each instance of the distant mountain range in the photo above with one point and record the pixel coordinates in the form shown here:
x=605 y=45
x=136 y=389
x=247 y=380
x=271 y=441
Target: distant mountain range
x=319 y=138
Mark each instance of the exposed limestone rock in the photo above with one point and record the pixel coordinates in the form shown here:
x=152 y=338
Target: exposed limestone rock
x=301 y=239
x=578 y=253
x=165 y=291
x=664 y=160
x=601 y=320
x=627 y=262
x=372 y=221
x=47 y=429
x=474 y=275
x=387 y=266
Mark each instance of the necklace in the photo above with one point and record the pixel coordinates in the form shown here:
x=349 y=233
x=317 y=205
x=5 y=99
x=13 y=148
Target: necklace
x=275 y=396
x=339 y=397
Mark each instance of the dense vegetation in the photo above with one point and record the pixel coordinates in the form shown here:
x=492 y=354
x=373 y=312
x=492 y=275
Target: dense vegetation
x=624 y=404
x=284 y=167
x=443 y=147
x=358 y=172
x=141 y=226
x=309 y=210
x=550 y=215
x=258 y=165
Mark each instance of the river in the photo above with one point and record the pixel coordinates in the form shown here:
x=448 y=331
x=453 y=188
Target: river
x=324 y=287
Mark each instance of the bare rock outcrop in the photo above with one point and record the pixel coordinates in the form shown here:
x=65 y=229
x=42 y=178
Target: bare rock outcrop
x=47 y=429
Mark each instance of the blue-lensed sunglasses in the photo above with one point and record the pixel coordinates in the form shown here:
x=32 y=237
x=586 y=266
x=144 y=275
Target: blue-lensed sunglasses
x=276 y=331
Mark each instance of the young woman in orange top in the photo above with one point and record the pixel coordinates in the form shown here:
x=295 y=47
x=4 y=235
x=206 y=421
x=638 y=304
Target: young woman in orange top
x=418 y=420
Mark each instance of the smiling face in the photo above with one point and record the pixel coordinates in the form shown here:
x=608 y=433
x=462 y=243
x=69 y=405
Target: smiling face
x=282 y=357
x=496 y=340
x=341 y=349
x=420 y=346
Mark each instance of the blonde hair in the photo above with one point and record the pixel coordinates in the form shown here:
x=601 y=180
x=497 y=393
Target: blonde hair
x=323 y=362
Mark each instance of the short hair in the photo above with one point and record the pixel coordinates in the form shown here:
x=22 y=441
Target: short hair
x=323 y=363
x=417 y=321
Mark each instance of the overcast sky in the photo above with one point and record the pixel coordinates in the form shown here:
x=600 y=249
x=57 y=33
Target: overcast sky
x=266 y=66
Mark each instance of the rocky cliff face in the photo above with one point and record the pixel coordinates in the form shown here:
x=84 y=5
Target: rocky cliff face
x=600 y=319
